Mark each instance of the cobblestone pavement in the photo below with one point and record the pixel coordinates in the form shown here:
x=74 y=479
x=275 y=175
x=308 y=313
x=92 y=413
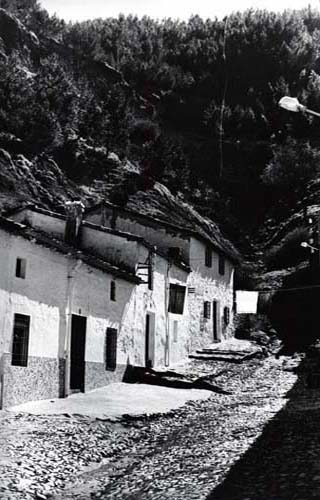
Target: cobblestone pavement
x=185 y=454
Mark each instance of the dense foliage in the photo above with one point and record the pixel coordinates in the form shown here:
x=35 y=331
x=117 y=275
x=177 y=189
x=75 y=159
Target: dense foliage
x=196 y=103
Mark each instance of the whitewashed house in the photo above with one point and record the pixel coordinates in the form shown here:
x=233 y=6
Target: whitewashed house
x=210 y=257
x=80 y=303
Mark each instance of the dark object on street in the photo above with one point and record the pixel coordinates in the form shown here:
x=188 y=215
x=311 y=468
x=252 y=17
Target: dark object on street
x=140 y=375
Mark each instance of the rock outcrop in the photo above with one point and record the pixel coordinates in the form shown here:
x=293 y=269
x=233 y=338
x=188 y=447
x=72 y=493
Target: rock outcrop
x=15 y=36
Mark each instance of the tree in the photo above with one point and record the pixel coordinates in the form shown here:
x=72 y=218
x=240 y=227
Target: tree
x=292 y=166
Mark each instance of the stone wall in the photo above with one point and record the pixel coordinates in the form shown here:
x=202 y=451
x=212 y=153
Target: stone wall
x=200 y=328
x=43 y=378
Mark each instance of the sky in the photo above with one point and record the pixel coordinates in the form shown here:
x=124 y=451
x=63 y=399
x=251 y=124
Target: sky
x=79 y=10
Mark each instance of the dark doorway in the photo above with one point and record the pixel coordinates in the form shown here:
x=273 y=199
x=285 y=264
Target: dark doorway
x=78 y=344
x=111 y=349
x=216 y=320
x=149 y=344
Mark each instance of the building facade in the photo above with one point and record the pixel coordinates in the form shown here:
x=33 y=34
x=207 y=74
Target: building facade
x=84 y=298
x=210 y=289
x=76 y=317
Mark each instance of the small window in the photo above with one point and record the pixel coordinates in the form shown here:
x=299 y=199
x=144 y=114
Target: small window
x=208 y=257
x=21 y=265
x=111 y=349
x=176 y=299
x=175 y=331
x=207 y=310
x=222 y=265
x=113 y=291
x=226 y=315
x=20 y=345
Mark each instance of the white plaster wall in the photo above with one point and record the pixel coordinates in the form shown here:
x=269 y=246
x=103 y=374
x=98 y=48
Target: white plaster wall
x=47 y=223
x=193 y=330
x=197 y=263
x=156 y=235
x=91 y=298
x=38 y=295
x=207 y=289
x=117 y=249
x=56 y=287
x=145 y=301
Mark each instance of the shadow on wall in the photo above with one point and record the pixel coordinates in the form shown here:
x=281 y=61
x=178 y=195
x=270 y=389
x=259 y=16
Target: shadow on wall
x=284 y=462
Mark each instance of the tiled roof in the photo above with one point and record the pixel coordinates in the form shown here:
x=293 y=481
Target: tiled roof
x=179 y=219
x=123 y=234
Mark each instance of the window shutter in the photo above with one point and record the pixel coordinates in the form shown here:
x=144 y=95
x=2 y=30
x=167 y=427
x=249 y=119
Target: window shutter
x=226 y=315
x=176 y=298
x=20 y=344
x=222 y=265
x=111 y=349
x=208 y=257
x=113 y=291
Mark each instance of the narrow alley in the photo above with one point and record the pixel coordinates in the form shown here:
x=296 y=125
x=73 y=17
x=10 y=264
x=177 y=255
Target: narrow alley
x=228 y=446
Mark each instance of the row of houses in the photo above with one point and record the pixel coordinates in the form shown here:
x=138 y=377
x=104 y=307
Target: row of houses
x=86 y=295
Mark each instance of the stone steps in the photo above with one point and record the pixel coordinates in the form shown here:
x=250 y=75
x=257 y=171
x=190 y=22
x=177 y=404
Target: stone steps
x=217 y=357
x=227 y=352
x=211 y=354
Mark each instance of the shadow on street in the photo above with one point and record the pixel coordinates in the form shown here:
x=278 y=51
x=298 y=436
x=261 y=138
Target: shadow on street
x=284 y=462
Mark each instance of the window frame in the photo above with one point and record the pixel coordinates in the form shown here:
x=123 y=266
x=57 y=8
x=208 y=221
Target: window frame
x=177 y=295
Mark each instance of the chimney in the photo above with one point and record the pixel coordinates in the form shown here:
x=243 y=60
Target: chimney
x=74 y=213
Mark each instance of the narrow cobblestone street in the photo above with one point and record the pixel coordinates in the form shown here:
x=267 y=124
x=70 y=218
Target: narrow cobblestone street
x=184 y=454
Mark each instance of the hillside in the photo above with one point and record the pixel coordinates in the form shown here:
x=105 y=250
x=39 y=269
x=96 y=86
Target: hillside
x=167 y=117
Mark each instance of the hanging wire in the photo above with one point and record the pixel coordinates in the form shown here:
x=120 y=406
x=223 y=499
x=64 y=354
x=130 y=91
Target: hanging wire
x=223 y=101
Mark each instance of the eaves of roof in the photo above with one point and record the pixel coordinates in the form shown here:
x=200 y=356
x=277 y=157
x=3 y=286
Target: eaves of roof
x=201 y=235
x=60 y=246
x=139 y=239
x=123 y=234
